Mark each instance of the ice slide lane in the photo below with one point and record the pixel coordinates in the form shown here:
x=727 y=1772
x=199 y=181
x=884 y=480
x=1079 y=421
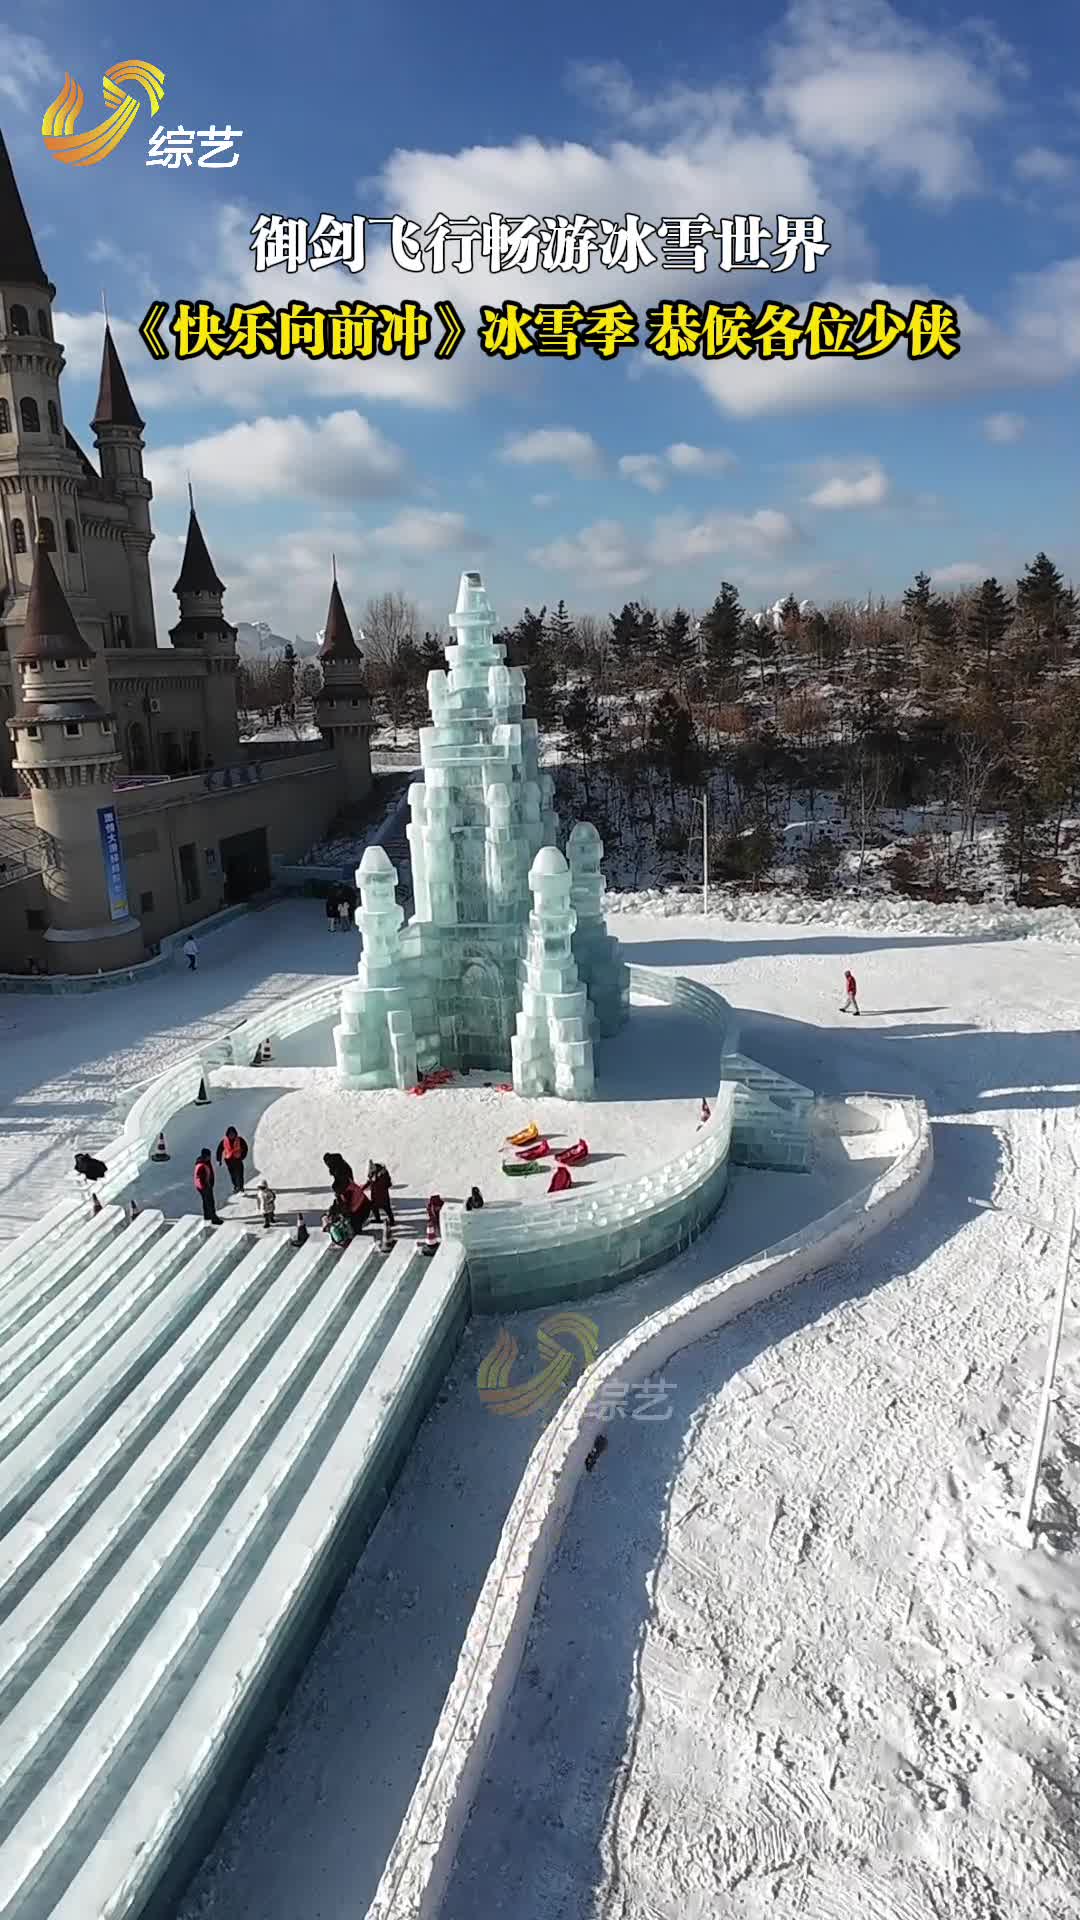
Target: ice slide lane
x=185 y=1415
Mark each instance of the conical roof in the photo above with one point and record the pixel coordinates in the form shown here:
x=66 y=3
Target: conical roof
x=338 y=642
x=50 y=632
x=115 y=406
x=197 y=569
x=20 y=262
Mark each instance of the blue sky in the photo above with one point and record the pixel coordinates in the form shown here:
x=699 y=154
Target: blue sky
x=943 y=153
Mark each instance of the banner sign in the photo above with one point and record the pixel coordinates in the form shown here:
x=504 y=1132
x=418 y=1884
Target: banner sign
x=113 y=855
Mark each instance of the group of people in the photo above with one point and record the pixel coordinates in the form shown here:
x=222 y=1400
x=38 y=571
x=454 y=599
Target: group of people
x=354 y=1203
x=340 y=907
x=232 y=1153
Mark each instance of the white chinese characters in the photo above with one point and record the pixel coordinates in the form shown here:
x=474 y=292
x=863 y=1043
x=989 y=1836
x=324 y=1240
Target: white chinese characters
x=179 y=146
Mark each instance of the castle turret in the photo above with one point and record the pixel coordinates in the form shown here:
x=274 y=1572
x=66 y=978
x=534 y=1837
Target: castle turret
x=67 y=758
x=40 y=472
x=202 y=626
x=118 y=432
x=343 y=706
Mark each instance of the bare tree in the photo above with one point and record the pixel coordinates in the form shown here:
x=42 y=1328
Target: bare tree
x=391 y=627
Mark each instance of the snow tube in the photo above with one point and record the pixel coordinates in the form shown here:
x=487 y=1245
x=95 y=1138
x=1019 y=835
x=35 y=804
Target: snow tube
x=537 y=1151
x=574 y=1156
x=560 y=1180
x=524 y=1135
x=519 y=1166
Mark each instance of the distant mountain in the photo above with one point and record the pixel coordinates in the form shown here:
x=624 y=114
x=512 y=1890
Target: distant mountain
x=258 y=637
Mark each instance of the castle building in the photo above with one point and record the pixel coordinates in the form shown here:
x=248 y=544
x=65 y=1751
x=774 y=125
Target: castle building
x=197 y=817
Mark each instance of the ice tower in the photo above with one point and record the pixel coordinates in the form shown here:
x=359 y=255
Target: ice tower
x=506 y=963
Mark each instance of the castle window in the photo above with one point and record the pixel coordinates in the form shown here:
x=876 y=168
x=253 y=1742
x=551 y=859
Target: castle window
x=33 y=733
x=105 y=725
x=5 y=417
x=70 y=536
x=48 y=534
x=18 y=536
x=73 y=729
x=54 y=418
x=19 y=319
x=43 y=323
x=29 y=415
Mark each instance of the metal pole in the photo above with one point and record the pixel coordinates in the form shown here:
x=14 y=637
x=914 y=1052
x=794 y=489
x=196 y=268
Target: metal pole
x=705 y=848
x=1039 y=1443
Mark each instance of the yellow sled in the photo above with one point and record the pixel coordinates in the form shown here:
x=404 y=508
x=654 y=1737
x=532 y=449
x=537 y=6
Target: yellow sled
x=525 y=1137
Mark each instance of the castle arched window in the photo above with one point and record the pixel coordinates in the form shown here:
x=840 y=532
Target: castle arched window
x=19 y=319
x=18 y=536
x=5 y=417
x=29 y=415
x=54 y=418
x=48 y=534
x=43 y=323
x=70 y=536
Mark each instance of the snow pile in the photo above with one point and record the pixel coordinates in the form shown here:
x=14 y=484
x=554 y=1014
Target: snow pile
x=875 y=913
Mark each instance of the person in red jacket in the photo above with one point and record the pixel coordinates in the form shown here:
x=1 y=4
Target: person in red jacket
x=232 y=1148
x=355 y=1203
x=204 y=1186
x=851 y=1004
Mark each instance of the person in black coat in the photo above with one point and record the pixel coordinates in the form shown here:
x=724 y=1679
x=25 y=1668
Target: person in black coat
x=475 y=1200
x=341 y=1174
x=90 y=1168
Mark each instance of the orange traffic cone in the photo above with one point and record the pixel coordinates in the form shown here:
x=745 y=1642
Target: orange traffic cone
x=161 y=1151
x=266 y=1053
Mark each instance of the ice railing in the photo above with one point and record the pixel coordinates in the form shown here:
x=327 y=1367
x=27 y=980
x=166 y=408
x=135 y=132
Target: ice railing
x=152 y=1110
x=573 y=1220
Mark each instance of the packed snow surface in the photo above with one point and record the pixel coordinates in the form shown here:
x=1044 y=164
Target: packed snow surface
x=791 y=1657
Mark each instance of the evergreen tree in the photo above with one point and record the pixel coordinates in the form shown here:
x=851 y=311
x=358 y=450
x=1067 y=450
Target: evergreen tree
x=674 y=744
x=648 y=640
x=430 y=655
x=721 y=630
x=561 y=636
x=582 y=721
x=1047 y=609
x=988 y=621
x=626 y=633
x=941 y=623
x=678 y=646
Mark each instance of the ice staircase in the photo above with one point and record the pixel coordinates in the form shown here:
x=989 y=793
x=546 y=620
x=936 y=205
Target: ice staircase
x=198 y=1429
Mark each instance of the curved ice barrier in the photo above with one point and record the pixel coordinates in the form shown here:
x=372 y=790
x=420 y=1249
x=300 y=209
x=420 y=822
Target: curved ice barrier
x=417 y=1873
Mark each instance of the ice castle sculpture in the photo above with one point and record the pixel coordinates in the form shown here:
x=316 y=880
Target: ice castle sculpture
x=506 y=963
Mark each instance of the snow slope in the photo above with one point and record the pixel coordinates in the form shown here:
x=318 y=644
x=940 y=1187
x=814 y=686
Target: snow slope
x=857 y=1425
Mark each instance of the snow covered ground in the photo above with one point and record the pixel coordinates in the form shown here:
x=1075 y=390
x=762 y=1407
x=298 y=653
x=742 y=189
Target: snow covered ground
x=790 y=1658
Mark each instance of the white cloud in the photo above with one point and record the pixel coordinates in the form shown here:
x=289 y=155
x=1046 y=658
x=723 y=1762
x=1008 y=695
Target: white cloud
x=542 y=500
x=645 y=470
x=959 y=573
x=423 y=530
x=1036 y=341
x=1043 y=164
x=687 y=459
x=864 y=485
x=553 y=446
x=26 y=69
x=856 y=82
x=1004 y=429
x=653 y=471
x=286 y=457
x=603 y=554
x=609 y=554
x=606 y=85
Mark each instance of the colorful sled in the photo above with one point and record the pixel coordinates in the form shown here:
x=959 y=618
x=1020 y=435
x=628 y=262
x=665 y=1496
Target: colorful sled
x=574 y=1156
x=538 y=1151
x=523 y=1166
x=524 y=1135
x=561 y=1180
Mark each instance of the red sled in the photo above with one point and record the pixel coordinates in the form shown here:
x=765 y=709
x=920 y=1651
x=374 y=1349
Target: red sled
x=538 y=1151
x=560 y=1180
x=574 y=1156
